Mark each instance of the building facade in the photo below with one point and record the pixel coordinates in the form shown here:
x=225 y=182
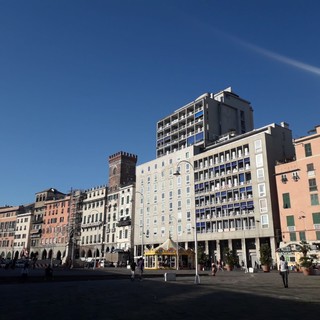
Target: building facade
x=38 y=216
x=93 y=222
x=8 y=221
x=298 y=196
x=225 y=192
x=120 y=204
x=203 y=120
x=22 y=233
x=54 y=236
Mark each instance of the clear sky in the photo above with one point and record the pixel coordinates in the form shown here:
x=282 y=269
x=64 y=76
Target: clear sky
x=83 y=79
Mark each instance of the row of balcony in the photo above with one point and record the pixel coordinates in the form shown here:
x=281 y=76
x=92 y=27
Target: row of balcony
x=168 y=122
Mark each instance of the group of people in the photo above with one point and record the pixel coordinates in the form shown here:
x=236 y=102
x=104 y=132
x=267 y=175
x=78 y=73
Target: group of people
x=139 y=265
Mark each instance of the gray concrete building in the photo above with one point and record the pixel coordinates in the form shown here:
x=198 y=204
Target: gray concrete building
x=203 y=121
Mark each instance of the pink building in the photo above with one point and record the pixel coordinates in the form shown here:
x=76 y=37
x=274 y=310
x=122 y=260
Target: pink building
x=298 y=195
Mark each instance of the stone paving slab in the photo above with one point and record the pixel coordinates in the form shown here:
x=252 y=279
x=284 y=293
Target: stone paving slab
x=228 y=295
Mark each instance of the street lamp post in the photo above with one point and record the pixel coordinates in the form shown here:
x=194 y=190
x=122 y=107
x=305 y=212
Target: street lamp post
x=177 y=246
x=95 y=247
x=142 y=224
x=197 y=278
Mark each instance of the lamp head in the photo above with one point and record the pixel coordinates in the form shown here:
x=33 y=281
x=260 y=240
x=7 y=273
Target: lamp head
x=177 y=173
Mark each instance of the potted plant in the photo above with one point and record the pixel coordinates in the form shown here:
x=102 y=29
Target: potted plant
x=265 y=257
x=229 y=259
x=305 y=261
x=202 y=258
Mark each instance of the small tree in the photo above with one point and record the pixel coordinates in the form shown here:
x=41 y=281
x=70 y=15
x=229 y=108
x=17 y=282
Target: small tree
x=202 y=257
x=265 y=255
x=305 y=261
x=229 y=257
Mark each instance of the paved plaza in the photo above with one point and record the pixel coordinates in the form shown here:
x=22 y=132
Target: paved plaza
x=109 y=294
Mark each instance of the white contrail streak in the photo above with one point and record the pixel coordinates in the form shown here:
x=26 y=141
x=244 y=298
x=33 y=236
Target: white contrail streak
x=279 y=57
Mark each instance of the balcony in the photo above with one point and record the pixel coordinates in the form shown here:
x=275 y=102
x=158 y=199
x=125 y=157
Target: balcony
x=124 y=222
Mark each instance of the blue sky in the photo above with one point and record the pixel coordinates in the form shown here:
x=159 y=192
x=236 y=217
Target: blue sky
x=81 y=80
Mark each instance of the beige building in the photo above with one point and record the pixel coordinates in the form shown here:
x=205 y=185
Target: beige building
x=22 y=234
x=298 y=196
x=93 y=222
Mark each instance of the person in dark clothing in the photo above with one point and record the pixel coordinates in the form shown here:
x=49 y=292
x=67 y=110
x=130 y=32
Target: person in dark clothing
x=140 y=267
x=133 y=266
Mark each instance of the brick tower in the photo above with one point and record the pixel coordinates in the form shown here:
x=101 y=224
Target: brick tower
x=122 y=170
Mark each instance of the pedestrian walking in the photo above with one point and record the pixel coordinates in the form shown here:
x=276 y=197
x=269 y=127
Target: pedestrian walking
x=133 y=266
x=140 y=267
x=284 y=271
x=213 y=268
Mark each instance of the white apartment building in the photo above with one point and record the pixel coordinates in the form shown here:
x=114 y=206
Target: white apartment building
x=164 y=205
x=93 y=222
x=21 y=242
x=226 y=192
x=203 y=121
x=119 y=219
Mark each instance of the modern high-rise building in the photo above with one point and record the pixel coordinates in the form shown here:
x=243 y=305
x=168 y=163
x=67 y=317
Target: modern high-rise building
x=203 y=121
x=236 y=204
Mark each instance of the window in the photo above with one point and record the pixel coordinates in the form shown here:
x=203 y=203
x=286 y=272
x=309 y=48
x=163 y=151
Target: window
x=312 y=185
x=262 y=190
x=314 y=199
x=302 y=236
x=264 y=221
x=257 y=146
x=316 y=218
x=310 y=169
x=293 y=236
x=259 y=160
x=286 y=200
x=263 y=205
x=290 y=221
x=308 y=150
x=260 y=175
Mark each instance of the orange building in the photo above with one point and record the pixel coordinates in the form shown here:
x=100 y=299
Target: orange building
x=8 y=220
x=54 y=238
x=298 y=196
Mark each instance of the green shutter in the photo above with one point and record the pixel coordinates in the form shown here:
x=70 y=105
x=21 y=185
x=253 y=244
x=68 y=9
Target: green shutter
x=293 y=236
x=316 y=218
x=318 y=235
x=286 y=200
x=290 y=221
x=314 y=199
x=302 y=236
